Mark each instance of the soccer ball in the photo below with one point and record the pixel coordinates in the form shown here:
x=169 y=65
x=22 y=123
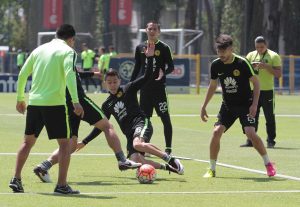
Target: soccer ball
x=146 y=174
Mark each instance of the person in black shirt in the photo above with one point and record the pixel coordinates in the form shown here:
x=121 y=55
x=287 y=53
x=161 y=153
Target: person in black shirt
x=235 y=74
x=122 y=103
x=153 y=94
x=94 y=116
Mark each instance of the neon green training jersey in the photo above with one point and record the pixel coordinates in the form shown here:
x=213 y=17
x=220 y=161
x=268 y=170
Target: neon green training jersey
x=52 y=68
x=88 y=59
x=266 y=79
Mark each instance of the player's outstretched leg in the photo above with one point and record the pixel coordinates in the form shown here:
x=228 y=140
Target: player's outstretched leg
x=128 y=164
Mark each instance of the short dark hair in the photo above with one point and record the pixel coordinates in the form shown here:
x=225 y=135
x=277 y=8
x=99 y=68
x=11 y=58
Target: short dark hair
x=111 y=72
x=223 y=41
x=260 y=39
x=153 y=22
x=65 y=31
x=102 y=49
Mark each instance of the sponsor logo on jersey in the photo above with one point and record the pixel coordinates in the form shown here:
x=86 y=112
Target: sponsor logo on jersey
x=230 y=85
x=120 y=109
x=236 y=72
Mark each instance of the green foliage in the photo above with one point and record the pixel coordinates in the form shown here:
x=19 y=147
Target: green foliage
x=13 y=23
x=99 y=27
x=232 y=21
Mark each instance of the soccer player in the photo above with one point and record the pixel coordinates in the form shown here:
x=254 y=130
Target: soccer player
x=103 y=65
x=122 y=103
x=94 y=116
x=87 y=56
x=20 y=59
x=235 y=74
x=153 y=94
x=268 y=64
x=52 y=68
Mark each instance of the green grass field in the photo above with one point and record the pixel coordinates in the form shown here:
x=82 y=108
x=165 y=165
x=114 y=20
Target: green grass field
x=94 y=171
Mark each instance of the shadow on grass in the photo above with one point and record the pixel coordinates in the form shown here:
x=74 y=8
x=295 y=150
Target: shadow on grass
x=255 y=179
x=284 y=148
x=78 y=196
x=115 y=181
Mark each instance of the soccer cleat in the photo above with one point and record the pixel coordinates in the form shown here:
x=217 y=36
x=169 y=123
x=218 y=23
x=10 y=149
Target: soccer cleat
x=128 y=164
x=210 y=174
x=42 y=174
x=65 y=190
x=271 y=145
x=16 y=185
x=171 y=169
x=247 y=144
x=168 y=150
x=271 y=171
x=175 y=163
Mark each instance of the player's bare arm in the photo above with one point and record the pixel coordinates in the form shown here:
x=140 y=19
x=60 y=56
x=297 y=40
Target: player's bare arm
x=256 y=91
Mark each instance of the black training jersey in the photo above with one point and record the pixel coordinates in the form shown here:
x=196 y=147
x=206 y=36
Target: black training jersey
x=234 y=79
x=80 y=90
x=162 y=57
x=124 y=104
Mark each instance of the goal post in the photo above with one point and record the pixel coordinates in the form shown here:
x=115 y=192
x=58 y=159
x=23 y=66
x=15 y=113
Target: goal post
x=176 y=38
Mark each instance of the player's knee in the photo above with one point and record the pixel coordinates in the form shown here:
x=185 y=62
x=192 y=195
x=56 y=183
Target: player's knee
x=250 y=133
x=138 y=144
x=104 y=125
x=217 y=132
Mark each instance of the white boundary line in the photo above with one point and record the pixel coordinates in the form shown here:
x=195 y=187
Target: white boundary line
x=242 y=168
x=182 y=158
x=166 y=193
x=191 y=115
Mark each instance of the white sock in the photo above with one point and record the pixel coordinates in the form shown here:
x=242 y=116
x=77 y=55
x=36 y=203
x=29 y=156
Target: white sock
x=213 y=164
x=266 y=159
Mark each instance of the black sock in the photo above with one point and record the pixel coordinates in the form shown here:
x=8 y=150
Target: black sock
x=120 y=156
x=168 y=131
x=46 y=165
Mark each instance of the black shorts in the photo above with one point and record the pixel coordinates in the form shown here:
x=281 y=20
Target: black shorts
x=228 y=115
x=54 y=118
x=156 y=98
x=142 y=127
x=92 y=114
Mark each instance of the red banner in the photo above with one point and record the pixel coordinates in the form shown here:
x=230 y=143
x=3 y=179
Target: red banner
x=120 y=12
x=53 y=13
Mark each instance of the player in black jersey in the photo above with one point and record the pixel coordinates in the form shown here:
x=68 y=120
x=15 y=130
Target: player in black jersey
x=153 y=94
x=94 y=116
x=235 y=74
x=122 y=103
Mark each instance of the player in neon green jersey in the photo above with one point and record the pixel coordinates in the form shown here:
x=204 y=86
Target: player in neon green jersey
x=268 y=65
x=52 y=68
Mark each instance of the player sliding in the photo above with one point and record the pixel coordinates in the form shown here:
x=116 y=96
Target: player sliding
x=122 y=103
x=94 y=116
x=235 y=74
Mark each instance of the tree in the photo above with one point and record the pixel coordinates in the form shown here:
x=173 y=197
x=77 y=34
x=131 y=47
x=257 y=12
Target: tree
x=232 y=21
x=291 y=26
x=13 y=23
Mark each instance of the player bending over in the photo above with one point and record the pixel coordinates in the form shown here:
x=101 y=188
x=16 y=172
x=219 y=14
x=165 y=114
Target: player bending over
x=123 y=104
x=94 y=116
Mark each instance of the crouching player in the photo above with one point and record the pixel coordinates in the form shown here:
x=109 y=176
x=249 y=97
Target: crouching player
x=94 y=116
x=123 y=104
